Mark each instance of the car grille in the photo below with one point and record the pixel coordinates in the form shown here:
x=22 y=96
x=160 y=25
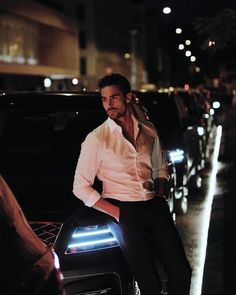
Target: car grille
x=101 y=283
x=47 y=232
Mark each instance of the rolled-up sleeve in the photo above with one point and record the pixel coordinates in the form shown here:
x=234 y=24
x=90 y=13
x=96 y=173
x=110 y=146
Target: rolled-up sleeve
x=159 y=163
x=86 y=170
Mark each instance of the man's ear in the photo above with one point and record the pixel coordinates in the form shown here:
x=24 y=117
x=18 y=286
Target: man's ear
x=128 y=97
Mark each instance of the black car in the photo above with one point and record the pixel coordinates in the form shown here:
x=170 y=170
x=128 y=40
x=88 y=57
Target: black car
x=179 y=137
x=195 y=118
x=40 y=139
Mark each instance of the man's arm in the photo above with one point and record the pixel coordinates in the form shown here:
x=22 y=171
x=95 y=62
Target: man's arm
x=87 y=167
x=105 y=206
x=161 y=187
x=160 y=170
x=159 y=163
x=86 y=170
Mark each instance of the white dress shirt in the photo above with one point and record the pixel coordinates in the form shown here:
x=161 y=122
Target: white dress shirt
x=124 y=169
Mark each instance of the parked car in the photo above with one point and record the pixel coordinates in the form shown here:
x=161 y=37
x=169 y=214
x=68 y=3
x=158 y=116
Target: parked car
x=178 y=137
x=40 y=139
x=219 y=100
x=194 y=119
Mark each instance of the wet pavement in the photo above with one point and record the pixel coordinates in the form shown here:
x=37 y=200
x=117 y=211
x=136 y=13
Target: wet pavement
x=208 y=230
x=193 y=226
x=220 y=265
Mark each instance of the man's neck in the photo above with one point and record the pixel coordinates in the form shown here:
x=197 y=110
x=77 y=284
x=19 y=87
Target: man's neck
x=127 y=125
x=126 y=121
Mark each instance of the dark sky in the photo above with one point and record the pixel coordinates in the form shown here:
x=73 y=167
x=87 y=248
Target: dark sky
x=187 y=10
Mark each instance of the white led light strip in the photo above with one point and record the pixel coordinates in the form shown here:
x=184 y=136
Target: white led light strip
x=83 y=244
x=91 y=233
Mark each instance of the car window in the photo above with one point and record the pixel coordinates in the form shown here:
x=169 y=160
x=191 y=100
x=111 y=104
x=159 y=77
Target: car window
x=163 y=113
x=192 y=109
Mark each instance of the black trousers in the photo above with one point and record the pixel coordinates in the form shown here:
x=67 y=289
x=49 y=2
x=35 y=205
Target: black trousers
x=146 y=233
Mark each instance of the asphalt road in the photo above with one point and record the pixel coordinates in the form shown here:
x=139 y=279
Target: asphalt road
x=208 y=230
x=204 y=232
x=228 y=179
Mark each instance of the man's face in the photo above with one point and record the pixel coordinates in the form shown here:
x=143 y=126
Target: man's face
x=114 y=101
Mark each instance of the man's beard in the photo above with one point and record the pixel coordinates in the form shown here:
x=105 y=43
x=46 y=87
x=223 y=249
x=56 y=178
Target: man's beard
x=114 y=114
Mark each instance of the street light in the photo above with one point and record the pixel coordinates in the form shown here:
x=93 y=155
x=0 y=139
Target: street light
x=47 y=82
x=188 y=53
x=181 y=47
x=75 y=81
x=178 y=30
x=166 y=10
x=127 y=55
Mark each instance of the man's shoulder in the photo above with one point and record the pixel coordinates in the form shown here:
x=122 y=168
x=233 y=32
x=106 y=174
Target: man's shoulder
x=101 y=130
x=147 y=123
x=148 y=126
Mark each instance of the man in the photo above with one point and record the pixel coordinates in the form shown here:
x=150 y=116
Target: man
x=126 y=156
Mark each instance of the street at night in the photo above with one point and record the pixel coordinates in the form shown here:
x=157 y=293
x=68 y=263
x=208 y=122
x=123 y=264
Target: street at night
x=117 y=132
x=194 y=227
x=207 y=228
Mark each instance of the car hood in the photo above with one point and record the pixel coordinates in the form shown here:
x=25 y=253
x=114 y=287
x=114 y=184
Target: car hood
x=48 y=199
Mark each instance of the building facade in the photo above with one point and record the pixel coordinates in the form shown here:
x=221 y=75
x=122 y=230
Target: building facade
x=36 y=40
x=106 y=41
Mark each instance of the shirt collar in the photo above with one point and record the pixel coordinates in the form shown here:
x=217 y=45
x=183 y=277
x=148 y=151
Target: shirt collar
x=113 y=125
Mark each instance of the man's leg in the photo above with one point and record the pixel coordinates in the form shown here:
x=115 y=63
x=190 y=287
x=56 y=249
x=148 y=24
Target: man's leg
x=168 y=247
x=133 y=238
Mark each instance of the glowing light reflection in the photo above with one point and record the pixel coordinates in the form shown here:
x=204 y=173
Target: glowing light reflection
x=196 y=289
x=83 y=244
x=91 y=233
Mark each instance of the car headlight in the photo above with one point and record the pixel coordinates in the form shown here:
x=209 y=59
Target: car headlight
x=216 y=105
x=212 y=112
x=200 y=131
x=176 y=156
x=91 y=238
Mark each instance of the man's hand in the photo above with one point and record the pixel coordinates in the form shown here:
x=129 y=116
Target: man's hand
x=161 y=187
x=108 y=208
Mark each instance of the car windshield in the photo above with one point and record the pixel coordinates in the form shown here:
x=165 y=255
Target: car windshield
x=192 y=108
x=40 y=139
x=163 y=113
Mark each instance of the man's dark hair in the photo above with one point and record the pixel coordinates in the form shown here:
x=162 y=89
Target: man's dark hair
x=115 y=79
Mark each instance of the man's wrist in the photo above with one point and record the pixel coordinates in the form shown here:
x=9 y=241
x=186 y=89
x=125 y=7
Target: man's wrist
x=161 y=187
x=115 y=213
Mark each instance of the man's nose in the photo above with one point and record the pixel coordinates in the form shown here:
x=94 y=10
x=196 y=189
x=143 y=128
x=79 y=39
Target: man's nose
x=110 y=101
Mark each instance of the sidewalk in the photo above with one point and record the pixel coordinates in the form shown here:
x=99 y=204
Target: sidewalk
x=220 y=264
